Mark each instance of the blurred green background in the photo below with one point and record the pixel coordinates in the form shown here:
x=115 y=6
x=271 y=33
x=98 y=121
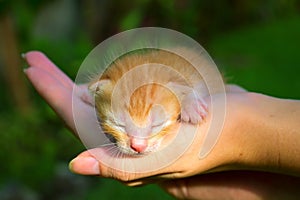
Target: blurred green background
x=256 y=43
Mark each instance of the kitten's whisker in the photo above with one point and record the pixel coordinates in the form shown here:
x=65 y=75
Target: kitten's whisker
x=111 y=148
x=110 y=144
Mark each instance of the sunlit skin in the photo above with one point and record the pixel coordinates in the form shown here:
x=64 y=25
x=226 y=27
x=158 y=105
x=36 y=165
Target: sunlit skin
x=257 y=155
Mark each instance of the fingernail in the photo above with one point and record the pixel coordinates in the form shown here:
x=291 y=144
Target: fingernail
x=25 y=70
x=85 y=166
x=23 y=55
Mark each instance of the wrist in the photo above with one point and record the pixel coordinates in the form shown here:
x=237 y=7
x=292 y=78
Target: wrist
x=267 y=134
x=245 y=142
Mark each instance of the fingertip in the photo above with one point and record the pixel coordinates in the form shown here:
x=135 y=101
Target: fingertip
x=85 y=165
x=25 y=70
x=71 y=165
x=35 y=58
x=33 y=54
x=28 y=71
x=38 y=59
x=32 y=72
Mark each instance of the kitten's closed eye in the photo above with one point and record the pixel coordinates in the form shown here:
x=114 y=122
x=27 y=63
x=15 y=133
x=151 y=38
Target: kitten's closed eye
x=111 y=138
x=158 y=126
x=120 y=126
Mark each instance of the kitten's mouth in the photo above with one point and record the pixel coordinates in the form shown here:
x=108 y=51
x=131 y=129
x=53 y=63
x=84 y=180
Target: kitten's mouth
x=130 y=152
x=136 y=146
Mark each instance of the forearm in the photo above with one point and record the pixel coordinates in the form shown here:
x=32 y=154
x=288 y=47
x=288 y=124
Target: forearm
x=268 y=137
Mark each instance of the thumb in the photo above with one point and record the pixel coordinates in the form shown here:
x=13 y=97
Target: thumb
x=86 y=164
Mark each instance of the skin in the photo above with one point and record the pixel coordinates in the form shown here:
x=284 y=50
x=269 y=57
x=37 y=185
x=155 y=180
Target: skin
x=257 y=155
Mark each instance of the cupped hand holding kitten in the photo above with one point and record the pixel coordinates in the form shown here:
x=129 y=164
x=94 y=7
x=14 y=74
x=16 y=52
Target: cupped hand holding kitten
x=260 y=133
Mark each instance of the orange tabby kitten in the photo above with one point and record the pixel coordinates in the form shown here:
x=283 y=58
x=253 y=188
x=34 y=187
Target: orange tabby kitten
x=143 y=95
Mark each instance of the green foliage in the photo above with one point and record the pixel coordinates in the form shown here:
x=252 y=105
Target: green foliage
x=68 y=58
x=262 y=58
x=29 y=151
x=132 y=20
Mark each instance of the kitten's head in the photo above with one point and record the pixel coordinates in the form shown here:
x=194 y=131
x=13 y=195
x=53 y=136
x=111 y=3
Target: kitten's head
x=141 y=123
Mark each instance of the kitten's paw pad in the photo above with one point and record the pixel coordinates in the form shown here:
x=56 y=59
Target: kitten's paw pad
x=194 y=109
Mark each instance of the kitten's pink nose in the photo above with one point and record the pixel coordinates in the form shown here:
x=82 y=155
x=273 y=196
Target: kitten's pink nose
x=138 y=145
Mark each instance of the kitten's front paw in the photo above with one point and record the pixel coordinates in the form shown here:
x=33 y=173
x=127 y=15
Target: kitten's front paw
x=193 y=109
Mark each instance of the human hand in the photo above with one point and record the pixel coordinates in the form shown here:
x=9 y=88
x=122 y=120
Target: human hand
x=230 y=153
x=56 y=88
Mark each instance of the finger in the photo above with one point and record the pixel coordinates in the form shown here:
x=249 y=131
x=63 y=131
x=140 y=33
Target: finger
x=39 y=60
x=56 y=95
x=86 y=164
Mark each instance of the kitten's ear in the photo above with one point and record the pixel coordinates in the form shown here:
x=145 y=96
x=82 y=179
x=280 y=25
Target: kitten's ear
x=99 y=85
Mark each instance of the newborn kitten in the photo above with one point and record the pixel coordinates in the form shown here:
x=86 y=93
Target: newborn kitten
x=143 y=95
